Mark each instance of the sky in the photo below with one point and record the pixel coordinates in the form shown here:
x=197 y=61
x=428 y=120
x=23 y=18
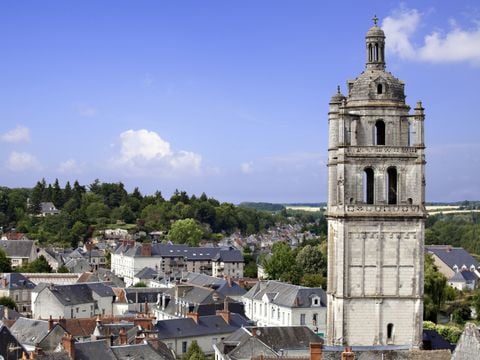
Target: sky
x=229 y=98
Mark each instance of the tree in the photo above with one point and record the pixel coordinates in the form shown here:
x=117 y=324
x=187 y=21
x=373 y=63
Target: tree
x=313 y=280
x=62 y=269
x=39 y=265
x=185 y=231
x=435 y=285
x=281 y=265
x=57 y=195
x=8 y=302
x=311 y=260
x=194 y=352
x=5 y=262
x=461 y=314
x=140 y=284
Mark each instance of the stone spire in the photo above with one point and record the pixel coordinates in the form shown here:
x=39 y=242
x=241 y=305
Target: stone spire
x=375 y=42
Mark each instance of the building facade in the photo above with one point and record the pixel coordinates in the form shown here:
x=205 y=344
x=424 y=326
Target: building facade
x=376 y=213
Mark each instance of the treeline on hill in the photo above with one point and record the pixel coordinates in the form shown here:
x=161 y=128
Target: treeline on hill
x=461 y=229
x=85 y=209
x=262 y=206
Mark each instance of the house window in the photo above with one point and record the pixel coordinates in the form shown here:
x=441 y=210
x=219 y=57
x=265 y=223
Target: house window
x=302 y=319
x=314 y=319
x=184 y=347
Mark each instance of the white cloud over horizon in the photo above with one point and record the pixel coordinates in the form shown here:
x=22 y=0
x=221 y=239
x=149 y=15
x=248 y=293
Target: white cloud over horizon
x=22 y=161
x=17 y=135
x=70 y=166
x=144 y=152
x=454 y=45
x=246 y=167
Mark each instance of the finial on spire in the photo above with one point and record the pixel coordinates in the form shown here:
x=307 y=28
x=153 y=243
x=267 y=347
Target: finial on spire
x=338 y=89
x=375 y=19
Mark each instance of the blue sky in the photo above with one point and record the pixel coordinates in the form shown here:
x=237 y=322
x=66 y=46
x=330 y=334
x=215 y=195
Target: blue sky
x=226 y=97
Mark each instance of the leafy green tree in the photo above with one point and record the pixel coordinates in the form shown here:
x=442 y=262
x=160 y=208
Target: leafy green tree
x=5 y=262
x=62 y=269
x=140 y=284
x=194 y=352
x=8 y=302
x=281 y=264
x=39 y=265
x=37 y=196
x=311 y=260
x=314 y=280
x=435 y=284
x=186 y=231
x=461 y=314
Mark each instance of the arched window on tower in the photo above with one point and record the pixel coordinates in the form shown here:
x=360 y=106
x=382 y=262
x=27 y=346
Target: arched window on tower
x=368 y=186
x=392 y=185
x=379 y=132
x=390 y=333
x=370 y=53
x=375 y=55
x=379 y=89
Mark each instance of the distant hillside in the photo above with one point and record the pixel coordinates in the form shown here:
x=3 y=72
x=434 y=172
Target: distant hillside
x=262 y=206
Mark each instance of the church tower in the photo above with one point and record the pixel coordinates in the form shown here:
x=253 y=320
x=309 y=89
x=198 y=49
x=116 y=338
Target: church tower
x=376 y=209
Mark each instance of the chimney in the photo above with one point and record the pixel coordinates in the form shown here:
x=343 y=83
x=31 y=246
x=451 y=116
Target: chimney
x=348 y=354
x=194 y=316
x=69 y=345
x=146 y=307
x=229 y=281
x=63 y=322
x=123 y=336
x=146 y=249
x=225 y=314
x=24 y=355
x=316 y=351
x=50 y=323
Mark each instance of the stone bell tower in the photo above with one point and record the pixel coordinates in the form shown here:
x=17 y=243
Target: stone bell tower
x=376 y=213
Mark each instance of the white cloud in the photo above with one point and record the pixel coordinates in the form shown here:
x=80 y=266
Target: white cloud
x=145 y=152
x=246 y=167
x=70 y=166
x=454 y=45
x=21 y=161
x=19 y=134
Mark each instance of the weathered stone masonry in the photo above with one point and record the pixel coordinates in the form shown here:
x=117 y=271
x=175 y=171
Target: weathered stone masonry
x=376 y=211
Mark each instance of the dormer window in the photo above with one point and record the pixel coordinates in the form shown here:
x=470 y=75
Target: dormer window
x=455 y=267
x=316 y=301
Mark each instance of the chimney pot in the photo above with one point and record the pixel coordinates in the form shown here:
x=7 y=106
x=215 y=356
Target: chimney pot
x=316 y=351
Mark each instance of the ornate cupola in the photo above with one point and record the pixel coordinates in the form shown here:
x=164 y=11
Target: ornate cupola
x=375 y=40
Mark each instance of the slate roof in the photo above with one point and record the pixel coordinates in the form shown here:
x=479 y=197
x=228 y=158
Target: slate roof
x=181 y=250
x=140 y=295
x=48 y=208
x=7 y=342
x=207 y=325
x=89 y=350
x=16 y=281
x=434 y=341
x=220 y=285
x=29 y=331
x=286 y=294
x=80 y=293
x=452 y=256
x=268 y=340
x=146 y=273
x=137 y=352
x=462 y=276
x=17 y=248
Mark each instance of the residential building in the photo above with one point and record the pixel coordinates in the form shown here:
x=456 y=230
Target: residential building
x=33 y=333
x=132 y=257
x=20 y=252
x=450 y=259
x=10 y=347
x=18 y=288
x=48 y=208
x=287 y=342
x=81 y=300
x=178 y=334
x=273 y=303
x=183 y=299
x=464 y=280
x=376 y=209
